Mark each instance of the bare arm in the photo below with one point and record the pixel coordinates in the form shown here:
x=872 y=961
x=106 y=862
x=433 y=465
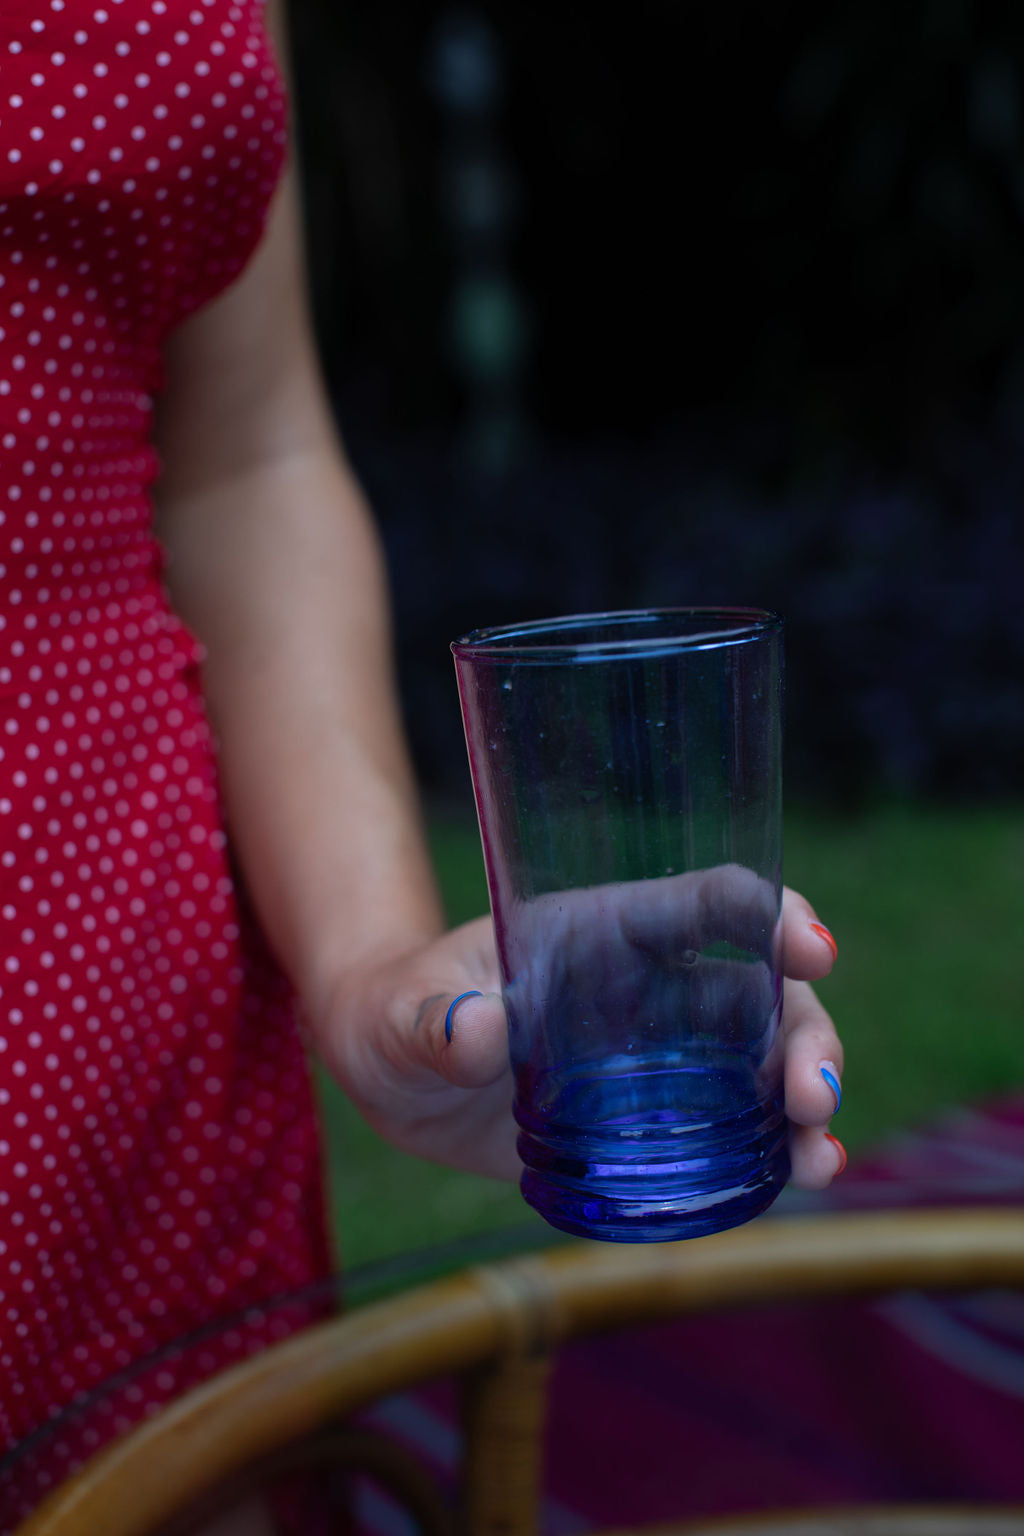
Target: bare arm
x=274 y=562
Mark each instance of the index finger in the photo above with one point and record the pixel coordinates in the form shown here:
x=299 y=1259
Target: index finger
x=808 y=949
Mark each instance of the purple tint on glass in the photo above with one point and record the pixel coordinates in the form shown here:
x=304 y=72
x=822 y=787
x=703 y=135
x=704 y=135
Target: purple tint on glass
x=626 y=770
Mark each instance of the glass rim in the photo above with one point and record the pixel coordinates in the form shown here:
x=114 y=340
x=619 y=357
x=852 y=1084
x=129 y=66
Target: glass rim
x=565 y=636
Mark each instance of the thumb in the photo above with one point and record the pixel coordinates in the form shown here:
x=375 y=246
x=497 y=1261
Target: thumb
x=464 y=1037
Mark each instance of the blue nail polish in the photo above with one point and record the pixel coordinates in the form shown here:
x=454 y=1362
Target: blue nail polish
x=451 y=1010
x=833 y=1083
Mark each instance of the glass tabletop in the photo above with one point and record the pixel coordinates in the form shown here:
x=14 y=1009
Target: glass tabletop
x=967 y=1157
x=39 y=1462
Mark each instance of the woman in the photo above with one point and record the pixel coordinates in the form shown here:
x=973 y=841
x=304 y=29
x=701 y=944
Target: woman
x=159 y=1152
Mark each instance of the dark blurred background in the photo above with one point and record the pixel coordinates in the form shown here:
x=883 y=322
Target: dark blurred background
x=671 y=304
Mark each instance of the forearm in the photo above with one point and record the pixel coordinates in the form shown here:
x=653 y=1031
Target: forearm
x=278 y=570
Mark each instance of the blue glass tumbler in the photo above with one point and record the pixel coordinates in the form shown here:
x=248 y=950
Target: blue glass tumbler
x=627 y=775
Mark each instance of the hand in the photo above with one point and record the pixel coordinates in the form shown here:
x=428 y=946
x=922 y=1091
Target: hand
x=383 y=1033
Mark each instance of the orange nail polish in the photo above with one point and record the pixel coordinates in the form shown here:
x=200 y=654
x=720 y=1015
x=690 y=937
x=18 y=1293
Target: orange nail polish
x=842 y=1153
x=823 y=933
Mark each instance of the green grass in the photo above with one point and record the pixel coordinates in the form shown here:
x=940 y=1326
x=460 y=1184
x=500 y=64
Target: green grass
x=928 y=907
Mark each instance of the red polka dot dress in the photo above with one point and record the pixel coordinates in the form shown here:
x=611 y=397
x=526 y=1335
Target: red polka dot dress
x=158 y=1147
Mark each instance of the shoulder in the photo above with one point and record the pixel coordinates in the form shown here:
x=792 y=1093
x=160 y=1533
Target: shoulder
x=277 y=26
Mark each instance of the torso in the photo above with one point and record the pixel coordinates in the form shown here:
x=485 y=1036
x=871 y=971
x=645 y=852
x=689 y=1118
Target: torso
x=149 y=1062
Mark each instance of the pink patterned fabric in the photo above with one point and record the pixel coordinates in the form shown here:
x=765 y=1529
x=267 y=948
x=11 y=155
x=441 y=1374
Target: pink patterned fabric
x=915 y=1397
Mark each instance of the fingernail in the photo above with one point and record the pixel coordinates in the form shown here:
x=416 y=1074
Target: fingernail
x=449 y=1017
x=830 y=1072
x=842 y=1153
x=823 y=933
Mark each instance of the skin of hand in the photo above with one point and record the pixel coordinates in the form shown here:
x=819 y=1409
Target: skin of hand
x=384 y=1038
x=274 y=562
